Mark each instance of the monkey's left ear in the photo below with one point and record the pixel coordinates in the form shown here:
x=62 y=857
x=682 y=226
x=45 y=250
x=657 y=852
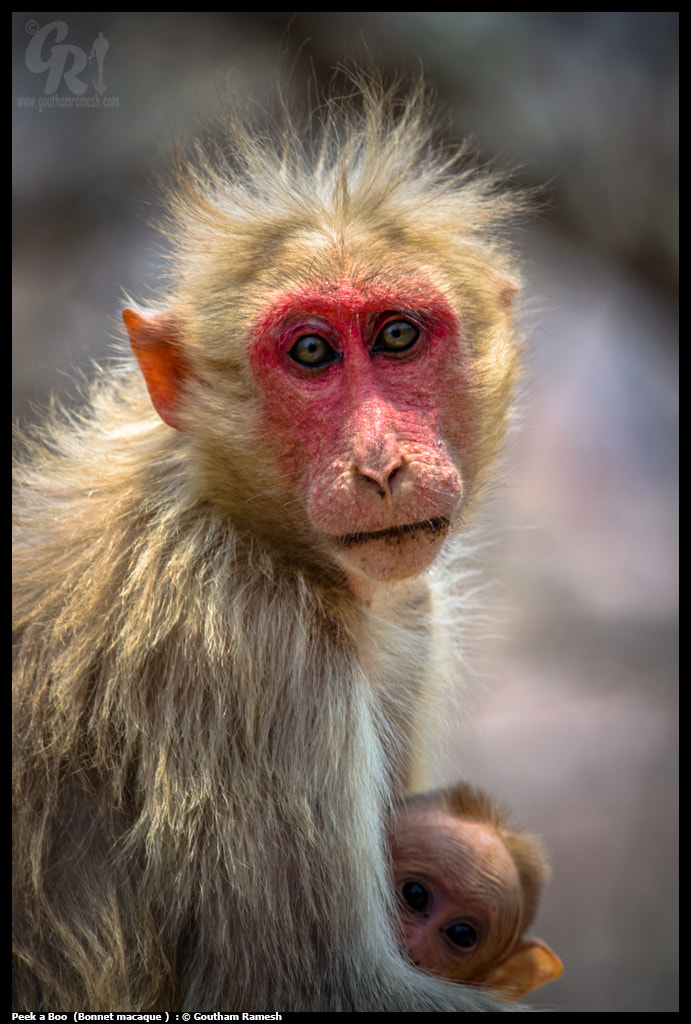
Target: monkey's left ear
x=530 y=964
x=154 y=338
x=507 y=290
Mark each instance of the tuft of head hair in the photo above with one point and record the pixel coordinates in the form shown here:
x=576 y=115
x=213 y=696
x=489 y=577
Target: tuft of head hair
x=361 y=179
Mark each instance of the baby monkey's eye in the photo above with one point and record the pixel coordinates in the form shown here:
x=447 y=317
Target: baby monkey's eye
x=461 y=934
x=415 y=895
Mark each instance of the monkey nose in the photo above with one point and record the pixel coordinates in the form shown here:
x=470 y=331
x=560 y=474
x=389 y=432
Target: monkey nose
x=383 y=479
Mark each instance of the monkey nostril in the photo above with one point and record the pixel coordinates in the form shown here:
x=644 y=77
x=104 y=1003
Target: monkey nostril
x=383 y=481
x=394 y=472
x=381 y=488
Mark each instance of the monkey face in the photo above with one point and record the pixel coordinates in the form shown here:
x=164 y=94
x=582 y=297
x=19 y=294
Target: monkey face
x=350 y=417
x=362 y=397
x=459 y=891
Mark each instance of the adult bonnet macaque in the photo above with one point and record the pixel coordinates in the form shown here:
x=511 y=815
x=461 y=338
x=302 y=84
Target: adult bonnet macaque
x=222 y=609
x=468 y=887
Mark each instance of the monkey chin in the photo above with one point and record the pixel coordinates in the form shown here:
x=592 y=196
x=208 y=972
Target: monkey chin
x=393 y=554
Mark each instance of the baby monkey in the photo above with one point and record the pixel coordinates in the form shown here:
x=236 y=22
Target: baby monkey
x=468 y=887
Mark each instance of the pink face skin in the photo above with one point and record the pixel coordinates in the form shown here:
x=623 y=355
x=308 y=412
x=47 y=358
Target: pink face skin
x=363 y=400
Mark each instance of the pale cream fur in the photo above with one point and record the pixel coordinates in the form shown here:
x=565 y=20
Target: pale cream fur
x=209 y=725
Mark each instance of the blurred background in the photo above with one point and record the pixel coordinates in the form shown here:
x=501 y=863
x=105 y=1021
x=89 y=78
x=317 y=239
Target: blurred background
x=574 y=707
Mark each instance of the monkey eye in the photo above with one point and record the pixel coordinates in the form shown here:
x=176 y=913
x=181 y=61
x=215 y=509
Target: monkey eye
x=313 y=351
x=396 y=336
x=461 y=934
x=415 y=895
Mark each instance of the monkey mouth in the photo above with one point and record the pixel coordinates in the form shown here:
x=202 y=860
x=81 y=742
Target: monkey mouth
x=436 y=528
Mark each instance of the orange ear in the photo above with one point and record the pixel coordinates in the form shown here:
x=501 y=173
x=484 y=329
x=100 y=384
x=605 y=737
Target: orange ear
x=530 y=964
x=154 y=338
x=507 y=290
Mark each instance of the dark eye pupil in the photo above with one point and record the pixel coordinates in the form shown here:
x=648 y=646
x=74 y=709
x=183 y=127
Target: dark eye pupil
x=463 y=935
x=312 y=351
x=415 y=895
x=397 y=337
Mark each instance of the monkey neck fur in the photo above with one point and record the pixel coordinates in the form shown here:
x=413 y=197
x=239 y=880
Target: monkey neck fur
x=267 y=625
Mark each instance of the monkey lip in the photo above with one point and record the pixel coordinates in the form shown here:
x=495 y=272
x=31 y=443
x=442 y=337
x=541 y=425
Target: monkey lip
x=395 y=553
x=437 y=527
